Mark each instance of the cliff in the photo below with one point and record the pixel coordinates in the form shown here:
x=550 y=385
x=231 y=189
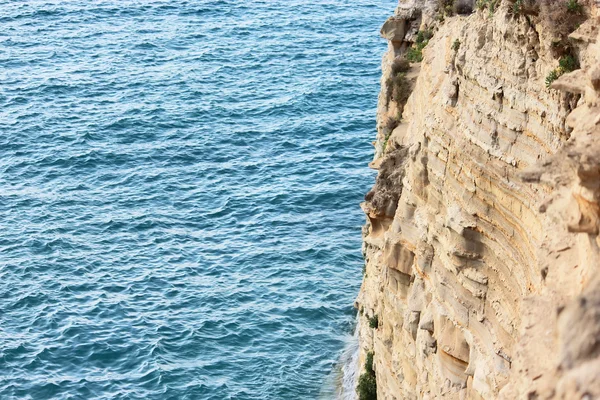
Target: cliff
x=481 y=243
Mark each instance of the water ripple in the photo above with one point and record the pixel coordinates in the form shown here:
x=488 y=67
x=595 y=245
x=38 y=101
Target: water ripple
x=179 y=189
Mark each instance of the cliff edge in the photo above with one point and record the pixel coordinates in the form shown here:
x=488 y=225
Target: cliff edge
x=481 y=243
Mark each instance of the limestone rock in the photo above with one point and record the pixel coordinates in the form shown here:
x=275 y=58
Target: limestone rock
x=394 y=29
x=481 y=241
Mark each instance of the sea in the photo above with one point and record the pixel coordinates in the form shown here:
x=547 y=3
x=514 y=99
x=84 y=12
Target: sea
x=179 y=195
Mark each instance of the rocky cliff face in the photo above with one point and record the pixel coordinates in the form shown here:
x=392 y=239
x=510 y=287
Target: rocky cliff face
x=481 y=243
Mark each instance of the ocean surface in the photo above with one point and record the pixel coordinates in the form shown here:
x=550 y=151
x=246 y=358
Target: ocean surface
x=179 y=195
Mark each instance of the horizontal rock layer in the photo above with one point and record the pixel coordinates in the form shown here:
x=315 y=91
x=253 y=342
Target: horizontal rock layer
x=481 y=242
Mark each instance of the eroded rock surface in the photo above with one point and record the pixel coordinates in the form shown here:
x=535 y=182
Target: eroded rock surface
x=481 y=242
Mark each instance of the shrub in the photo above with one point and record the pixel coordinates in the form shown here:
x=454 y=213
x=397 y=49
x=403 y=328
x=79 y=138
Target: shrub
x=391 y=124
x=463 y=7
x=367 y=387
x=560 y=18
x=424 y=36
x=446 y=7
x=369 y=363
x=415 y=53
x=491 y=5
x=400 y=64
x=400 y=88
x=456 y=45
x=517 y=7
x=367 y=382
x=574 y=7
x=374 y=321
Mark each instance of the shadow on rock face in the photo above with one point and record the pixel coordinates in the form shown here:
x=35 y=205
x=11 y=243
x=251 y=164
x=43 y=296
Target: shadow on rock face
x=388 y=187
x=464 y=7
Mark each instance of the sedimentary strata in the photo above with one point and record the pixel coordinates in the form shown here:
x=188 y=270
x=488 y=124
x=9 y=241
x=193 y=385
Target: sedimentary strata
x=481 y=242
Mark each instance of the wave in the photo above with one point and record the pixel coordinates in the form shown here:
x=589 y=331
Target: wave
x=350 y=368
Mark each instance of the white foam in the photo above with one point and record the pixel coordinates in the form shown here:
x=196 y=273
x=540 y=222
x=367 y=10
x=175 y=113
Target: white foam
x=349 y=361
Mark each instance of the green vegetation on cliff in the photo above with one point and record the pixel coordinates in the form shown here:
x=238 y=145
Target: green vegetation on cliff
x=367 y=383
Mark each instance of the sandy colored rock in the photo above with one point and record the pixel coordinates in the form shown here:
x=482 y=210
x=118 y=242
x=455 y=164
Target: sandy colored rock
x=481 y=243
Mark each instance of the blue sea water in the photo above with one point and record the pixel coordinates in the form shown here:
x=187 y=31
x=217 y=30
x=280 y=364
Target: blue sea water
x=179 y=194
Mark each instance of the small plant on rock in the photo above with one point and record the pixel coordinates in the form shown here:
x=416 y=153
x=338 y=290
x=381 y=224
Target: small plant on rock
x=398 y=90
x=398 y=87
x=517 y=8
x=385 y=142
x=551 y=77
x=390 y=125
x=400 y=64
x=574 y=7
x=401 y=88
x=424 y=36
x=566 y=64
x=369 y=362
x=456 y=45
x=560 y=18
x=445 y=9
x=490 y=5
x=374 y=321
x=415 y=53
